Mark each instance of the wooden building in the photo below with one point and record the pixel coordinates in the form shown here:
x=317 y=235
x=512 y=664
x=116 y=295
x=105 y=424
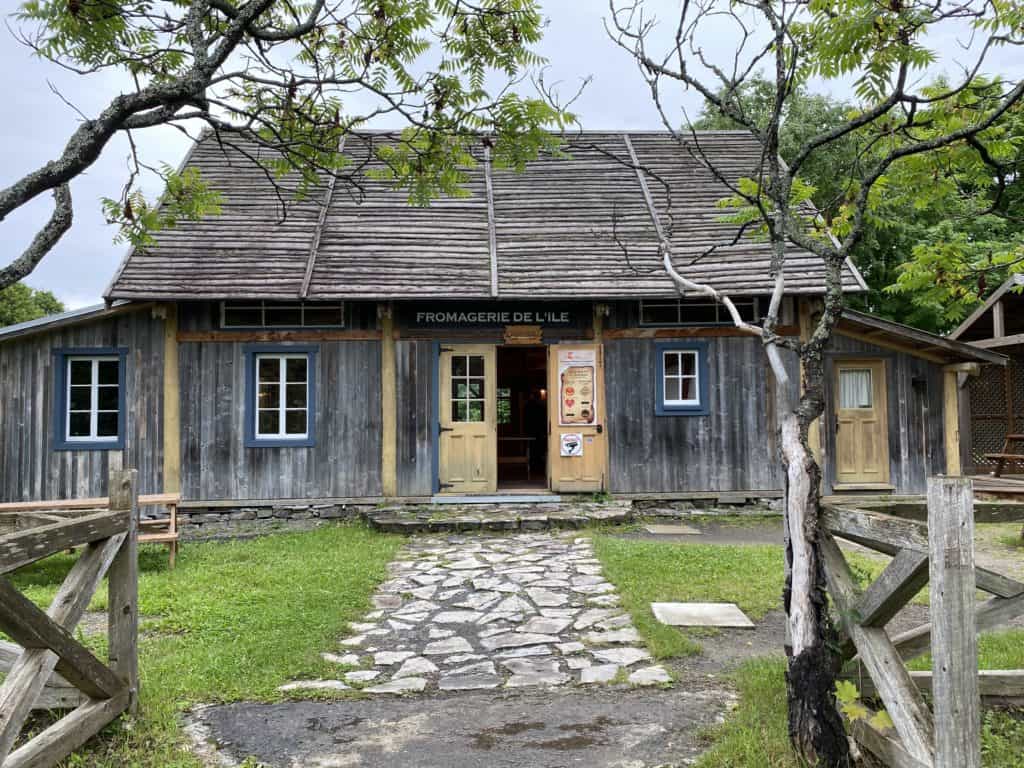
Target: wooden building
x=523 y=338
x=995 y=405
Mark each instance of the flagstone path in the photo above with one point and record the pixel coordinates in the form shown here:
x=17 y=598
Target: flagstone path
x=476 y=612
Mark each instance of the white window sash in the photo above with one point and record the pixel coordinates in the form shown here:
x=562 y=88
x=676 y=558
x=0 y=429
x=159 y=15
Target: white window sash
x=681 y=377
x=282 y=407
x=94 y=400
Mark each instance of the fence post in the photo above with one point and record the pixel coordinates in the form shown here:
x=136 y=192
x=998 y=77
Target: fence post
x=123 y=586
x=956 y=702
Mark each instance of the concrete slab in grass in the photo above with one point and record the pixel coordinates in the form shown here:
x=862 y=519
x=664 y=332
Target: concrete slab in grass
x=672 y=530
x=701 y=615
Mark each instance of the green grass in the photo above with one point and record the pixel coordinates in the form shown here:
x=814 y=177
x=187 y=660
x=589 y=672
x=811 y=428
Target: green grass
x=654 y=571
x=1003 y=649
x=233 y=621
x=755 y=735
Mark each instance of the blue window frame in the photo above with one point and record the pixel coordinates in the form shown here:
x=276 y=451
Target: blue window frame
x=681 y=378
x=89 y=411
x=280 y=396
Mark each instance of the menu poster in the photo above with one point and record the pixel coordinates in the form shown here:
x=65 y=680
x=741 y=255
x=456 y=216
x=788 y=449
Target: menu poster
x=577 y=390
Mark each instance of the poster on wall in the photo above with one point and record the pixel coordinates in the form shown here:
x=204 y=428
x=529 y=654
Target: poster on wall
x=572 y=444
x=577 y=389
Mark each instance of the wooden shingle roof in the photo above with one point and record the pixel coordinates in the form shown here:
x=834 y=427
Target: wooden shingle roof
x=566 y=227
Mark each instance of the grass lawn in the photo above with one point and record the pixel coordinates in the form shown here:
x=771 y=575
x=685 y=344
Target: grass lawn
x=233 y=621
x=755 y=735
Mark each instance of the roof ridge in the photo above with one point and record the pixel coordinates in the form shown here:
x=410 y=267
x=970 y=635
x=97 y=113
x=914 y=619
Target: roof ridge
x=318 y=230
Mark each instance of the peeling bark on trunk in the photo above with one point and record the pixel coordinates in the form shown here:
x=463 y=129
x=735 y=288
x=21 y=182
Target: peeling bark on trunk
x=815 y=727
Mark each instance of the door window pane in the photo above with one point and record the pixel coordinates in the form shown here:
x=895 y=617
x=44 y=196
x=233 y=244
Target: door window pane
x=855 y=388
x=468 y=387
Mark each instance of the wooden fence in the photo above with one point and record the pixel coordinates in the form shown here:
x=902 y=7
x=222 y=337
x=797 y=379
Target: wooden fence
x=941 y=555
x=46 y=667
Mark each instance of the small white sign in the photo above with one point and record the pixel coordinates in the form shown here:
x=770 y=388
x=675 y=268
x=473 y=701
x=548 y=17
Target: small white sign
x=572 y=444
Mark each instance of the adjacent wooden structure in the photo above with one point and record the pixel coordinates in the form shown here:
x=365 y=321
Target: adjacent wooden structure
x=942 y=555
x=46 y=666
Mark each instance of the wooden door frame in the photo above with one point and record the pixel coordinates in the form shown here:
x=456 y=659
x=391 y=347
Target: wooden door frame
x=832 y=404
x=546 y=346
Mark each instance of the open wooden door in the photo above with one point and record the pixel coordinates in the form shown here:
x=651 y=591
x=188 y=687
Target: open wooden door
x=862 y=434
x=577 y=449
x=468 y=443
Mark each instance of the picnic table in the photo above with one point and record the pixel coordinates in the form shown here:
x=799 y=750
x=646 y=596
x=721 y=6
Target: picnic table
x=1007 y=455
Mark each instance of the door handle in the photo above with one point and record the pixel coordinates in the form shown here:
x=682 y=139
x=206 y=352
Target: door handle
x=446 y=429
x=600 y=429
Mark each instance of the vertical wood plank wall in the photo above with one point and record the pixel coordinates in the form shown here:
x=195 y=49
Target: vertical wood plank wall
x=30 y=470
x=723 y=451
x=415 y=395
x=915 y=415
x=346 y=460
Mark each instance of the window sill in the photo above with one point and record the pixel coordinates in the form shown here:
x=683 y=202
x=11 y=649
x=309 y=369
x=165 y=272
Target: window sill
x=97 y=445
x=687 y=410
x=303 y=442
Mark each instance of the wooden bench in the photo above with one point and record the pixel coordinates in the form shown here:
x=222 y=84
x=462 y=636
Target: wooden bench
x=1007 y=455
x=160 y=530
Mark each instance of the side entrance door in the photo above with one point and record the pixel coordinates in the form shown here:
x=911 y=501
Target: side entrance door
x=577 y=448
x=862 y=434
x=468 y=443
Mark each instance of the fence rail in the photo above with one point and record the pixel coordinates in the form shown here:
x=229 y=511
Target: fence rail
x=45 y=666
x=941 y=555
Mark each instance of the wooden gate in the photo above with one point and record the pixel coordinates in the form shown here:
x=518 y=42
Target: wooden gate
x=941 y=554
x=46 y=667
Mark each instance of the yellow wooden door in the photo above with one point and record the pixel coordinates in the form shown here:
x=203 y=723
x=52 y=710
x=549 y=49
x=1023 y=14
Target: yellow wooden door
x=578 y=448
x=862 y=434
x=468 y=444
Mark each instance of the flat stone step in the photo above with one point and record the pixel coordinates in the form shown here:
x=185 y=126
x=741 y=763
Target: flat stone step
x=701 y=615
x=513 y=515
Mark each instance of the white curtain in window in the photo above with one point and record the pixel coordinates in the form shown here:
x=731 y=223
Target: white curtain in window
x=855 y=388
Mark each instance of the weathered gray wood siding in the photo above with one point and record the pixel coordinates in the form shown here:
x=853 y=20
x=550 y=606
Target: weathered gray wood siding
x=726 y=450
x=346 y=460
x=414 y=364
x=914 y=399
x=30 y=470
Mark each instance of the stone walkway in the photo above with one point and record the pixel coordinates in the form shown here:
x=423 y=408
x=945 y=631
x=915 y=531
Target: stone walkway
x=485 y=612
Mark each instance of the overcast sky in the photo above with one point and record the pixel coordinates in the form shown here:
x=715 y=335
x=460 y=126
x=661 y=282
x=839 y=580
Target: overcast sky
x=37 y=123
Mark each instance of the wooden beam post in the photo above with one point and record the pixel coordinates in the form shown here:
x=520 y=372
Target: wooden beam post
x=388 y=402
x=172 y=403
x=951 y=419
x=123 y=587
x=954 y=639
x=998 y=320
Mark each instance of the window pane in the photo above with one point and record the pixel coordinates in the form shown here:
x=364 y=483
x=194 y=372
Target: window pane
x=269 y=368
x=108 y=371
x=81 y=371
x=269 y=396
x=78 y=425
x=269 y=422
x=295 y=422
x=476 y=410
x=476 y=365
x=324 y=315
x=106 y=424
x=476 y=388
x=295 y=369
x=671 y=389
x=296 y=396
x=855 y=389
x=106 y=398
x=459 y=410
x=671 y=363
x=243 y=316
x=283 y=316
x=688 y=361
x=459 y=365
x=460 y=388
x=689 y=389
x=80 y=398
x=660 y=313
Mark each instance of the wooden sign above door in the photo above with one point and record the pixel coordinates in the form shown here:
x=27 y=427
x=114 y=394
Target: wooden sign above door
x=523 y=334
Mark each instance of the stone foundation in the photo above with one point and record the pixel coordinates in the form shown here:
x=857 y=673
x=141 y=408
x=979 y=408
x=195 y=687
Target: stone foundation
x=197 y=523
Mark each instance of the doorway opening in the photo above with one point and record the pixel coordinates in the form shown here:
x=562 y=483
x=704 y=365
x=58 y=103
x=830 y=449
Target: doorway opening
x=522 y=415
